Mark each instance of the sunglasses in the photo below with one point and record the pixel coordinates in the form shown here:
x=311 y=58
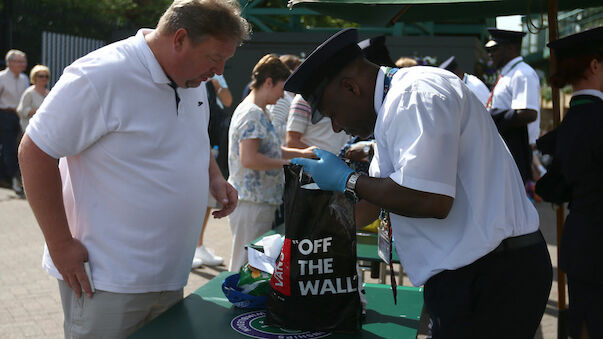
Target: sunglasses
x=42 y=76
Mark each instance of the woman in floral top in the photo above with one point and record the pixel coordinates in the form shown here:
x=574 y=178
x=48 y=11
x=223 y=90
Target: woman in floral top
x=256 y=158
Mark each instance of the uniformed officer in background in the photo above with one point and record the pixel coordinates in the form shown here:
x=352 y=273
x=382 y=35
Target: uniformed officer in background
x=515 y=98
x=579 y=155
x=472 y=241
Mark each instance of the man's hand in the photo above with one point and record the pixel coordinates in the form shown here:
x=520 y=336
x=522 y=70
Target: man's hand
x=224 y=194
x=69 y=257
x=329 y=172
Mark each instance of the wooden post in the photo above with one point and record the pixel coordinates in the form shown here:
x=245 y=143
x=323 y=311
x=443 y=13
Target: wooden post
x=560 y=218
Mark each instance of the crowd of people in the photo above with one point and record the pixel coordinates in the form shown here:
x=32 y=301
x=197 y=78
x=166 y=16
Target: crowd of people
x=126 y=161
x=18 y=103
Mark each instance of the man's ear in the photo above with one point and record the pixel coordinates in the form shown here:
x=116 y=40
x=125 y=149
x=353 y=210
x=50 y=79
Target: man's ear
x=179 y=39
x=350 y=85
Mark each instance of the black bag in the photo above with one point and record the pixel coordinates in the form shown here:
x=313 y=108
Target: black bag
x=315 y=284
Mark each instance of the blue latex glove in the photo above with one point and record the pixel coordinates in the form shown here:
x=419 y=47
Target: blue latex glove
x=330 y=173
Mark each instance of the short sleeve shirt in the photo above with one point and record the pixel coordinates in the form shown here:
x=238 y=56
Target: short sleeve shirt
x=320 y=134
x=477 y=87
x=433 y=135
x=261 y=186
x=519 y=88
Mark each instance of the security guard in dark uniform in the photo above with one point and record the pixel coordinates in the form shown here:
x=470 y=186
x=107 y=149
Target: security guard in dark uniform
x=579 y=156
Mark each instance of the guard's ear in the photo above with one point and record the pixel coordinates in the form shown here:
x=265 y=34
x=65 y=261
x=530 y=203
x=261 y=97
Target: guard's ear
x=179 y=39
x=350 y=85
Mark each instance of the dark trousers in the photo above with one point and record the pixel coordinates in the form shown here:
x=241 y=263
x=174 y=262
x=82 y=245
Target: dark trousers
x=501 y=295
x=9 y=131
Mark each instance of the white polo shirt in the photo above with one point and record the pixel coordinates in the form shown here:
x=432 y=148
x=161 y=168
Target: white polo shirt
x=519 y=88
x=434 y=136
x=134 y=169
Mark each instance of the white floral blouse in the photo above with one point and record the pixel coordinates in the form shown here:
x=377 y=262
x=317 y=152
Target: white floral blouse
x=265 y=186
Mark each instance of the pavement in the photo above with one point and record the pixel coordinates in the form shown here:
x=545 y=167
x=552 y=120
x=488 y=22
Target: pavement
x=30 y=305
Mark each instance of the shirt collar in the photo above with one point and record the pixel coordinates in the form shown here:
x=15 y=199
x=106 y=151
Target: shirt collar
x=148 y=58
x=593 y=92
x=510 y=64
x=378 y=99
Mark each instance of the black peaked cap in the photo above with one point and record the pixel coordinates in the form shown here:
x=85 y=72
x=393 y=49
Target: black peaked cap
x=325 y=62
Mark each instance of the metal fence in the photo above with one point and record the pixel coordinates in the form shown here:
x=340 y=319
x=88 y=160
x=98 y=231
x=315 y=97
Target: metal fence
x=60 y=50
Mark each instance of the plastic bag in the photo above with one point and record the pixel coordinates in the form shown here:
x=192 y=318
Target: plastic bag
x=315 y=285
x=253 y=281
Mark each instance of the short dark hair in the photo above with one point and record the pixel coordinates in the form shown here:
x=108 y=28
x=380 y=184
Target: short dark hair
x=269 y=66
x=200 y=18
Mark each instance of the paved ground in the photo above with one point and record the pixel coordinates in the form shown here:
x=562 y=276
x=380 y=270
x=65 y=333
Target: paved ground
x=29 y=299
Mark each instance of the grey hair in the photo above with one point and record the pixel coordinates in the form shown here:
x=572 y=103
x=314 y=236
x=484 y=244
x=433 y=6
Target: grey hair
x=202 y=18
x=10 y=54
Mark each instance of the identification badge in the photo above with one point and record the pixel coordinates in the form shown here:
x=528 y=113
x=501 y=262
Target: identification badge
x=385 y=238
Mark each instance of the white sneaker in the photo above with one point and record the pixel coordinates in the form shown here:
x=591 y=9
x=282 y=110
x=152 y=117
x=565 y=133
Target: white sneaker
x=196 y=263
x=205 y=256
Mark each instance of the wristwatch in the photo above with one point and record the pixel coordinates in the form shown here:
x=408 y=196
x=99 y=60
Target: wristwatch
x=350 y=186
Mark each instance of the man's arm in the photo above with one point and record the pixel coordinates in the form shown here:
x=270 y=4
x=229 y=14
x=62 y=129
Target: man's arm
x=42 y=183
x=331 y=174
x=387 y=194
x=511 y=118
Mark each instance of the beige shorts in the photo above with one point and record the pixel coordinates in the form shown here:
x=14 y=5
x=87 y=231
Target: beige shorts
x=111 y=315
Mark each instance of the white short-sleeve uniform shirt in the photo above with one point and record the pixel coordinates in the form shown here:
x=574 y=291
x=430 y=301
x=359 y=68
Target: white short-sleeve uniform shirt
x=477 y=87
x=133 y=166
x=434 y=136
x=519 y=88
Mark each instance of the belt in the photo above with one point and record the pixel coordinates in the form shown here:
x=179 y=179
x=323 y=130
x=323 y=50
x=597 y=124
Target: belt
x=515 y=243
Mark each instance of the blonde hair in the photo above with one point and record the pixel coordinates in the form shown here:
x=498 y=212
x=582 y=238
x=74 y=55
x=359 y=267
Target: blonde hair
x=202 y=18
x=37 y=69
x=269 y=66
x=406 y=62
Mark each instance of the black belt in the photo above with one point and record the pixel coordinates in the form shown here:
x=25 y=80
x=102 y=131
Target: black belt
x=518 y=242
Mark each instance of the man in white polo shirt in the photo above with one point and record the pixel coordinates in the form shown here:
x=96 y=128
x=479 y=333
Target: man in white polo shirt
x=471 y=240
x=129 y=124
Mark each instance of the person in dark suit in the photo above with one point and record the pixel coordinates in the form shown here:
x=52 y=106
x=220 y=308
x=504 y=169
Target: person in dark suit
x=579 y=154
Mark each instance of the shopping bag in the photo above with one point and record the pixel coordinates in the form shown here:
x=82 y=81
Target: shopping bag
x=315 y=284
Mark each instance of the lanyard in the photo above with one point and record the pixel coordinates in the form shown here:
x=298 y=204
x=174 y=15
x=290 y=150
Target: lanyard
x=385 y=228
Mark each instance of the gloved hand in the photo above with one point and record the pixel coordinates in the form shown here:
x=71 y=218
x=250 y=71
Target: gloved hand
x=329 y=172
